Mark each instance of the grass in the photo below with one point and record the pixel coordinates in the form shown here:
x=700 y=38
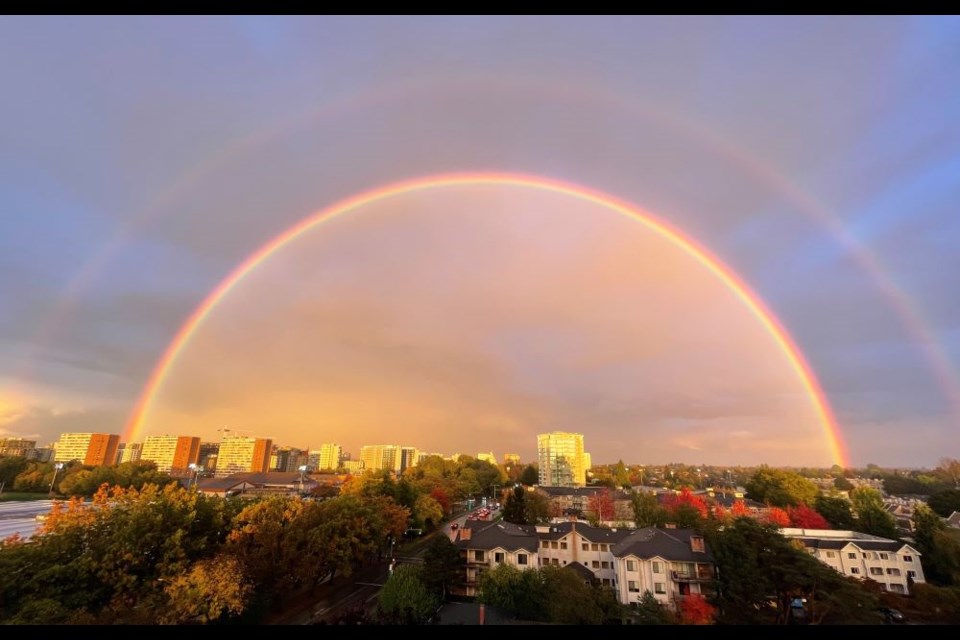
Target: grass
x=12 y=496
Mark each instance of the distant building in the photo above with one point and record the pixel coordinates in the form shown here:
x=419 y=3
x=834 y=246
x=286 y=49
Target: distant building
x=40 y=454
x=487 y=457
x=859 y=555
x=409 y=457
x=353 y=466
x=172 y=454
x=587 y=462
x=241 y=454
x=131 y=452
x=391 y=457
x=561 y=459
x=327 y=457
x=254 y=484
x=575 y=501
x=95 y=449
x=208 y=455
x=16 y=446
x=511 y=458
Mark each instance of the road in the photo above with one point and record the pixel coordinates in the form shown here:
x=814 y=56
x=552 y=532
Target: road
x=21 y=517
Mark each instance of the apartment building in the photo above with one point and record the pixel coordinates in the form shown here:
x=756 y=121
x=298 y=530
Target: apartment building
x=96 y=449
x=171 y=454
x=859 y=555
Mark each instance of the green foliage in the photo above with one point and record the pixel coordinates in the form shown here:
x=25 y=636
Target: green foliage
x=836 y=510
x=649 y=611
x=406 y=599
x=442 y=567
x=946 y=502
x=10 y=468
x=515 y=507
x=647 y=511
x=781 y=488
x=530 y=476
x=757 y=565
x=937 y=604
x=840 y=483
x=939 y=549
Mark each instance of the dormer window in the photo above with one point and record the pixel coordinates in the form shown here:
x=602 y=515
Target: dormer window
x=697 y=545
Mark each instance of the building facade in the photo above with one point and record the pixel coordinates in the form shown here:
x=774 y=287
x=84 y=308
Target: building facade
x=95 y=449
x=327 y=457
x=511 y=458
x=669 y=563
x=891 y=563
x=172 y=454
x=561 y=459
x=16 y=446
x=240 y=454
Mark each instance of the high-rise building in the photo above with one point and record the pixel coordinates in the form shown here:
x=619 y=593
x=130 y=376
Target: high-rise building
x=380 y=456
x=96 y=449
x=353 y=466
x=172 y=454
x=560 y=455
x=587 y=462
x=131 y=452
x=409 y=457
x=208 y=455
x=511 y=458
x=328 y=456
x=487 y=457
x=242 y=453
x=16 y=446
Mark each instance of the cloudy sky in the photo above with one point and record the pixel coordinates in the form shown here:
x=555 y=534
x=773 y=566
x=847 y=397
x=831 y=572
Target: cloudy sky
x=143 y=159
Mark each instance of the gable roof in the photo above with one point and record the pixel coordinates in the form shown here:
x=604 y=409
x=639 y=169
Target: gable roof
x=511 y=537
x=669 y=544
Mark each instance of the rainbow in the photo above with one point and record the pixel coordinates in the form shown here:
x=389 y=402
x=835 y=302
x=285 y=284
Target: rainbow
x=734 y=283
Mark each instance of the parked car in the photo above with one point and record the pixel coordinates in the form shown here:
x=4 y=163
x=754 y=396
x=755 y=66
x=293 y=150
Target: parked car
x=892 y=615
x=454 y=526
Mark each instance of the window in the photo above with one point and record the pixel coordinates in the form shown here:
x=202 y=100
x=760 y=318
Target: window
x=631 y=565
x=866 y=555
x=556 y=562
x=659 y=587
x=893 y=572
x=498 y=557
x=852 y=556
x=633 y=586
x=585 y=546
x=596 y=564
x=545 y=544
x=607 y=582
x=854 y=570
x=604 y=547
x=554 y=545
x=478 y=555
x=522 y=559
x=831 y=554
x=594 y=547
x=883 y=556
x=657 y=567
x=696 y=544
x=912 y=574
x=908 y=558
x=876 y=571
x=563 y=545
x=896 y=588
x=604 y=565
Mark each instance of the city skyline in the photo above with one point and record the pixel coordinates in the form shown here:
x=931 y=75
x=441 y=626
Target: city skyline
x=681 y=249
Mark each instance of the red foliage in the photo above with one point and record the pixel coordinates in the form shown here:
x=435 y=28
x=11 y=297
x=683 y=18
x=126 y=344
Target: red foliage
x=442 y=499
x=720 y=513
x=805 y=517
x=778 y=516
x=739 y=509
x=601 y=503
x=695 y=610
x=686 y=497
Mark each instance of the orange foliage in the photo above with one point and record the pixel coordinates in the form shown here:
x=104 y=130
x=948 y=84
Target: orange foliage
x=739 y=509
x=778 y=516
x=694 y=609
x=686 y=497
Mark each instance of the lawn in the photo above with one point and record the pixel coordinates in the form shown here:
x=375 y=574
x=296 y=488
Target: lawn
x=11 y=496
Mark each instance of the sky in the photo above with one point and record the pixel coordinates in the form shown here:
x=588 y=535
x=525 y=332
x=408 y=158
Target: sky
x=143 y=159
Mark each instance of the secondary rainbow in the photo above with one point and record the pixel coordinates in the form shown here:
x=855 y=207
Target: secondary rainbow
x=733 y=282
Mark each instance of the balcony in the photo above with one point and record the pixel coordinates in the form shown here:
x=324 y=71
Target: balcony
x=686 y=576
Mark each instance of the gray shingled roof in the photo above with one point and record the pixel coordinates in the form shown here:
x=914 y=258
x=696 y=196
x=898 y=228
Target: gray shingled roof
x=581 y=570
x=504 y=535
x=669 y=544
x=866 y=545
x=593 y=534
x=585 y=492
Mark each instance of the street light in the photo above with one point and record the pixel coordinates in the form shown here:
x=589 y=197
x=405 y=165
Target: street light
x=56 y=469
x=302 y=469
x=195 y=468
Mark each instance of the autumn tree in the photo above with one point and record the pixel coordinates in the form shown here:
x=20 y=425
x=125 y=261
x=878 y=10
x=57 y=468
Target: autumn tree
x=695 y=610
x=778 y=517
x=213 y=589
x=685 y=509
x=600 y=504
x=804 y=517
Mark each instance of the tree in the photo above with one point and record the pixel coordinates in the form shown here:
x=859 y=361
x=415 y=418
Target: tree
x=686 y=510
x=600 y=504
x=840 y=483
x=949 y=469
x=428 y=512
x=804 y=517
x=405 y=598
x=213 y=589
x=650 y=611
x=621 y=477
x=778 y=517
x=442 y=498
x=515 y=507
x=537 y=507
x=939 y=550
x=10 y=468
x=781 y=488
x=647 y=511
x=836 y=511
x=530 y=476
x=694 y=609
x=442 y=566
x=739 y=509
x=946 y=502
